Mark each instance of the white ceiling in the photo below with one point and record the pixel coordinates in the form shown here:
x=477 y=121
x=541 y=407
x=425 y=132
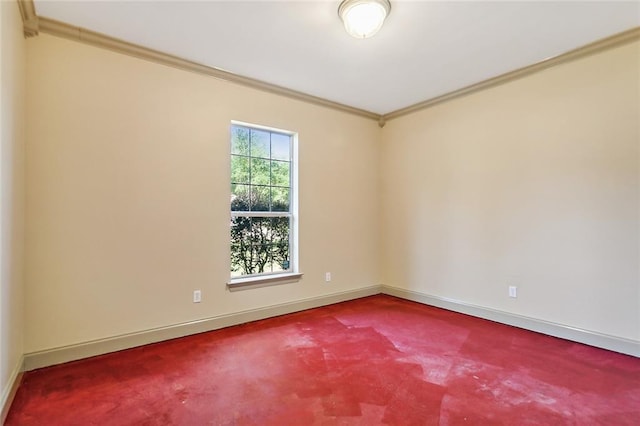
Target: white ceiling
x=425 y=49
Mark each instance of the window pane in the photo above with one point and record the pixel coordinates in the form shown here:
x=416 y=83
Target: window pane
x=240 y=195
x=260 y=143
x=280 y=146
x=280 y=255
x=280 y=173
x=265 y=260
x=280 y=243
x=260 y=198
x=279 y=199
x=241 y=247
x=248 y=256
x=259 y=245
x=239 y=140
x=239 y=169
x=260 y=171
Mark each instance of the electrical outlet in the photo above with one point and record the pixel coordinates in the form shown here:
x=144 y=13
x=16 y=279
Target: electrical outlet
x=513 y=291
x=327 y=276
x=197 y=296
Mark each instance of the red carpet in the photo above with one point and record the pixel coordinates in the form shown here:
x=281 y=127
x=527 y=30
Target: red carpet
x=377 y=360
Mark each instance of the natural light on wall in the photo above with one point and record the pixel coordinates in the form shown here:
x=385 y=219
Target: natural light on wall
x=363 y=18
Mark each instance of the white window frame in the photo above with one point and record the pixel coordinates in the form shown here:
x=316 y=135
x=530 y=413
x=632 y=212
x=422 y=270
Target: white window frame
x=293 y=274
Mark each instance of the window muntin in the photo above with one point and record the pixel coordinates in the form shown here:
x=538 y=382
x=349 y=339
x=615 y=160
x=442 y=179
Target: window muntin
x=262 y=222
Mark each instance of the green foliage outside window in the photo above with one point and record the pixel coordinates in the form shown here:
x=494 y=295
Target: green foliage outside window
x=260 y=182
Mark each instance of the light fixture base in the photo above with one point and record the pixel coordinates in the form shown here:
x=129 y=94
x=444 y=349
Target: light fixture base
x=363 y=18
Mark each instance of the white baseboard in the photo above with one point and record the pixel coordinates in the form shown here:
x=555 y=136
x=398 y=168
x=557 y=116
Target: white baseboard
x=63 y=354
x=9 y=392
x=616 y=344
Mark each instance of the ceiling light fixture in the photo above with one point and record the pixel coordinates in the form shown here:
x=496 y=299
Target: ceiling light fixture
x=363 y=18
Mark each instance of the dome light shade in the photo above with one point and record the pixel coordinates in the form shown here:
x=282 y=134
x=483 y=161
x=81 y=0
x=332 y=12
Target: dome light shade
x=363 y=18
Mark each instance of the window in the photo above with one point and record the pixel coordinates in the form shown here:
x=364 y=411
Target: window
x=262 y=206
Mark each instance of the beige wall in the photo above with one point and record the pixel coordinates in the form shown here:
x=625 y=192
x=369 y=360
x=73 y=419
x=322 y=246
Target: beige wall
x=12 y=110
x=128 y=189
x=532 y=183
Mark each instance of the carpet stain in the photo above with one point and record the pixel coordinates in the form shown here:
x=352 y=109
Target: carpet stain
x=376 y=360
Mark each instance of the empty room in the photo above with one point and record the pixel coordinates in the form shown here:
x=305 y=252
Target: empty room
x=330 y=212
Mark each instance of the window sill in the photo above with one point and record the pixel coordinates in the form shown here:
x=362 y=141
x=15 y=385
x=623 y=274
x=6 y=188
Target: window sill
x=263 y=281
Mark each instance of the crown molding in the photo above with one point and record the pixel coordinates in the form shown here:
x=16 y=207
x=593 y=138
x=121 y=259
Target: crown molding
x=29 y=18
x=60 y=29
x=589 y=49
x=34 y=24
